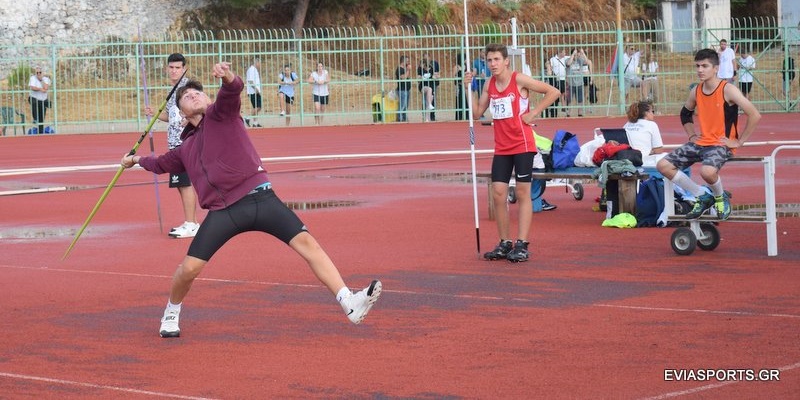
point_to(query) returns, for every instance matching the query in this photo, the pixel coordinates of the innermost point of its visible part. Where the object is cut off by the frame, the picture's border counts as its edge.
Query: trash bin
(381, 103)
(377, 116)
(391, 105)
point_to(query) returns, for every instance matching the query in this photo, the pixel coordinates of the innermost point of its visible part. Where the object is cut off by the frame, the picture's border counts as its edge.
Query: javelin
(119, 171)
(150, 131)
(471, 137)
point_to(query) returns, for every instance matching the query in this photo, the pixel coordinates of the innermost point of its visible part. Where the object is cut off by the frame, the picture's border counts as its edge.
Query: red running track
(597, 313)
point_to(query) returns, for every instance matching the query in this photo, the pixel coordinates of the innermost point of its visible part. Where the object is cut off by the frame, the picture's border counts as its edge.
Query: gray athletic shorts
(683, 157)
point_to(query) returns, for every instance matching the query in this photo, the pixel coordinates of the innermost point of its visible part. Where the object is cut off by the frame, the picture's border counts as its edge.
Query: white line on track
(701, 311)
(411, 292)
(42, 170)
(710, 386)
(96, 386)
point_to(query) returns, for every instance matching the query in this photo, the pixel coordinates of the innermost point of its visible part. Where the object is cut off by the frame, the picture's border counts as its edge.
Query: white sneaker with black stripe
(169, 324)
(187, 230)
(357, 305)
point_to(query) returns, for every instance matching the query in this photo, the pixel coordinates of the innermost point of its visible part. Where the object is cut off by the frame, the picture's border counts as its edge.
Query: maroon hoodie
(218, 155)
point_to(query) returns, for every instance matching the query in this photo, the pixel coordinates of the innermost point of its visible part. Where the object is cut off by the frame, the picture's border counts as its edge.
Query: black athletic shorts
(521, 164)
(320, 99)
(179, 180)
(255, 100)
(261, 211)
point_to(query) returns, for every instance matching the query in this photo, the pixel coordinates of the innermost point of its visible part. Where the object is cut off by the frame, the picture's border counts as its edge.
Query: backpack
(565, 148)
(649, 202)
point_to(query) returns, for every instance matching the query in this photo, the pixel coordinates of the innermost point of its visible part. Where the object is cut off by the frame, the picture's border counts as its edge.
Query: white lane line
(96, 386)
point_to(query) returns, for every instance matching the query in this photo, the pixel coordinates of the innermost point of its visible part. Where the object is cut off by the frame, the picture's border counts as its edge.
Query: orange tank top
(715, 117)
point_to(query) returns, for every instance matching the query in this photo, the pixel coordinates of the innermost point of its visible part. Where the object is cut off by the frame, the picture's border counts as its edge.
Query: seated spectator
(643, 132)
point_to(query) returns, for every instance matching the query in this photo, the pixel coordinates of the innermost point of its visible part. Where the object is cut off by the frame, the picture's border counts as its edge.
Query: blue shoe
(703, 203)
(722, 205)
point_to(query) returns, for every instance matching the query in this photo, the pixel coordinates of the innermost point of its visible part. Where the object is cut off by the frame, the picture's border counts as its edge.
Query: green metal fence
(98, 87)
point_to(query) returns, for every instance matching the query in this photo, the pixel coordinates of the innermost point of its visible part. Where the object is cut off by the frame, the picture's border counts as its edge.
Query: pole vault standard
(120, 169)
(468, 93)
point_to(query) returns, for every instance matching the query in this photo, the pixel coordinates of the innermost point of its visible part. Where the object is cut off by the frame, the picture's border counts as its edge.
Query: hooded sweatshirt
(217, 154)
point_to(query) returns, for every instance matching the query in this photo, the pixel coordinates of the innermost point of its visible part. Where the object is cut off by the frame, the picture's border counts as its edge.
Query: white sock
(175, 307)
(716, 187)
(342, 293)
(687, 184)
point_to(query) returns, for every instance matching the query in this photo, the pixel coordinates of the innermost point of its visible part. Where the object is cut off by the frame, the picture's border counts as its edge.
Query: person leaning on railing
(39, 84)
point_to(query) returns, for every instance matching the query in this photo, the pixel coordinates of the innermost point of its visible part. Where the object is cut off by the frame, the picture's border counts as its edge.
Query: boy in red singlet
(507, 94)
(716, 104)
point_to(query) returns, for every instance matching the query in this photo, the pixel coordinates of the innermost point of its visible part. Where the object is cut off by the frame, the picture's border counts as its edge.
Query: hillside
(360, 14)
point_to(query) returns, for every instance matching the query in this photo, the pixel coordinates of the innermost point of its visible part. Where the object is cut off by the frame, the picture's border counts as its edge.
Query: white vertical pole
(471, 134)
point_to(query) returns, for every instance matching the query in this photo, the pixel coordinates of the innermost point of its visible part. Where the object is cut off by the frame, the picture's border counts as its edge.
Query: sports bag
(649, 202)
(565, 148)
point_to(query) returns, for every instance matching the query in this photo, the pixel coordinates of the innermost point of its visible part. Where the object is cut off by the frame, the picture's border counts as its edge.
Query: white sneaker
(187, 230)
(431, 107)
(181, 226)
(169, 324)
(283, 113)
(358, 304)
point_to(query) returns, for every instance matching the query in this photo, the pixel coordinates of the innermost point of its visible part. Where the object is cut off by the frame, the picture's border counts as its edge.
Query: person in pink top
(232, 184)
(507, 95)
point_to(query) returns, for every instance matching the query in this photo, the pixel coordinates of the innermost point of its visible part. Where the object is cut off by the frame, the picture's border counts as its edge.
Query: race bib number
(501, 108)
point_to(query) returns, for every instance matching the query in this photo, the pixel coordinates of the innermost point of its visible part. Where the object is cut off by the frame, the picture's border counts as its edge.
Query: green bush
(19, 77)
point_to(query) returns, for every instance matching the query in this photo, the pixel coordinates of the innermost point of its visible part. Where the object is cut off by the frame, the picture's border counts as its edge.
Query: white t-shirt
(747, 64)
(253, 80)
(559, 67)
(644, 135)
(35, 82)
(320, 89)
(630, 63)
(726, 64)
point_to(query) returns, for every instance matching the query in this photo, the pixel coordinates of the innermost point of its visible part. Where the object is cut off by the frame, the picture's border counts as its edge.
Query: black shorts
(179, 180)
(262, 211)
(521, 164)
(255, 100)
(287, 98)
(320, 99)
(745, 87)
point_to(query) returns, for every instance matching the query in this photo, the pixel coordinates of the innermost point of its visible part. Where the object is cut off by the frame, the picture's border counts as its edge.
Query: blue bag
(565, 149)
(649, 202)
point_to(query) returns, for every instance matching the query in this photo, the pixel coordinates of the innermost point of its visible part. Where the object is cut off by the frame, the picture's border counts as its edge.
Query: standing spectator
(39, 85)
(650, 81)
(716, 105)
(558, 66)
(481, 71)
(403, 76)
(320, 79)
(727, 61)
(643, 132)
(631, 70)
(509, 94)
(458, 73)
(588, 83)
(176, 66)
(236, 189)
(788, 74)
(253, 77)
(575, 64)
(287, 80)
(426, 87)
(746, 66)
(435, 75)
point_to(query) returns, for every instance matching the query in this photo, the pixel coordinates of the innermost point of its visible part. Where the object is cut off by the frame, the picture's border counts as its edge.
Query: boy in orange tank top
(716, 105)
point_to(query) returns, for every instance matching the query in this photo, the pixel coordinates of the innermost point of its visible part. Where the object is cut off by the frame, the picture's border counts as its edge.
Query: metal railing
(97, 87)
